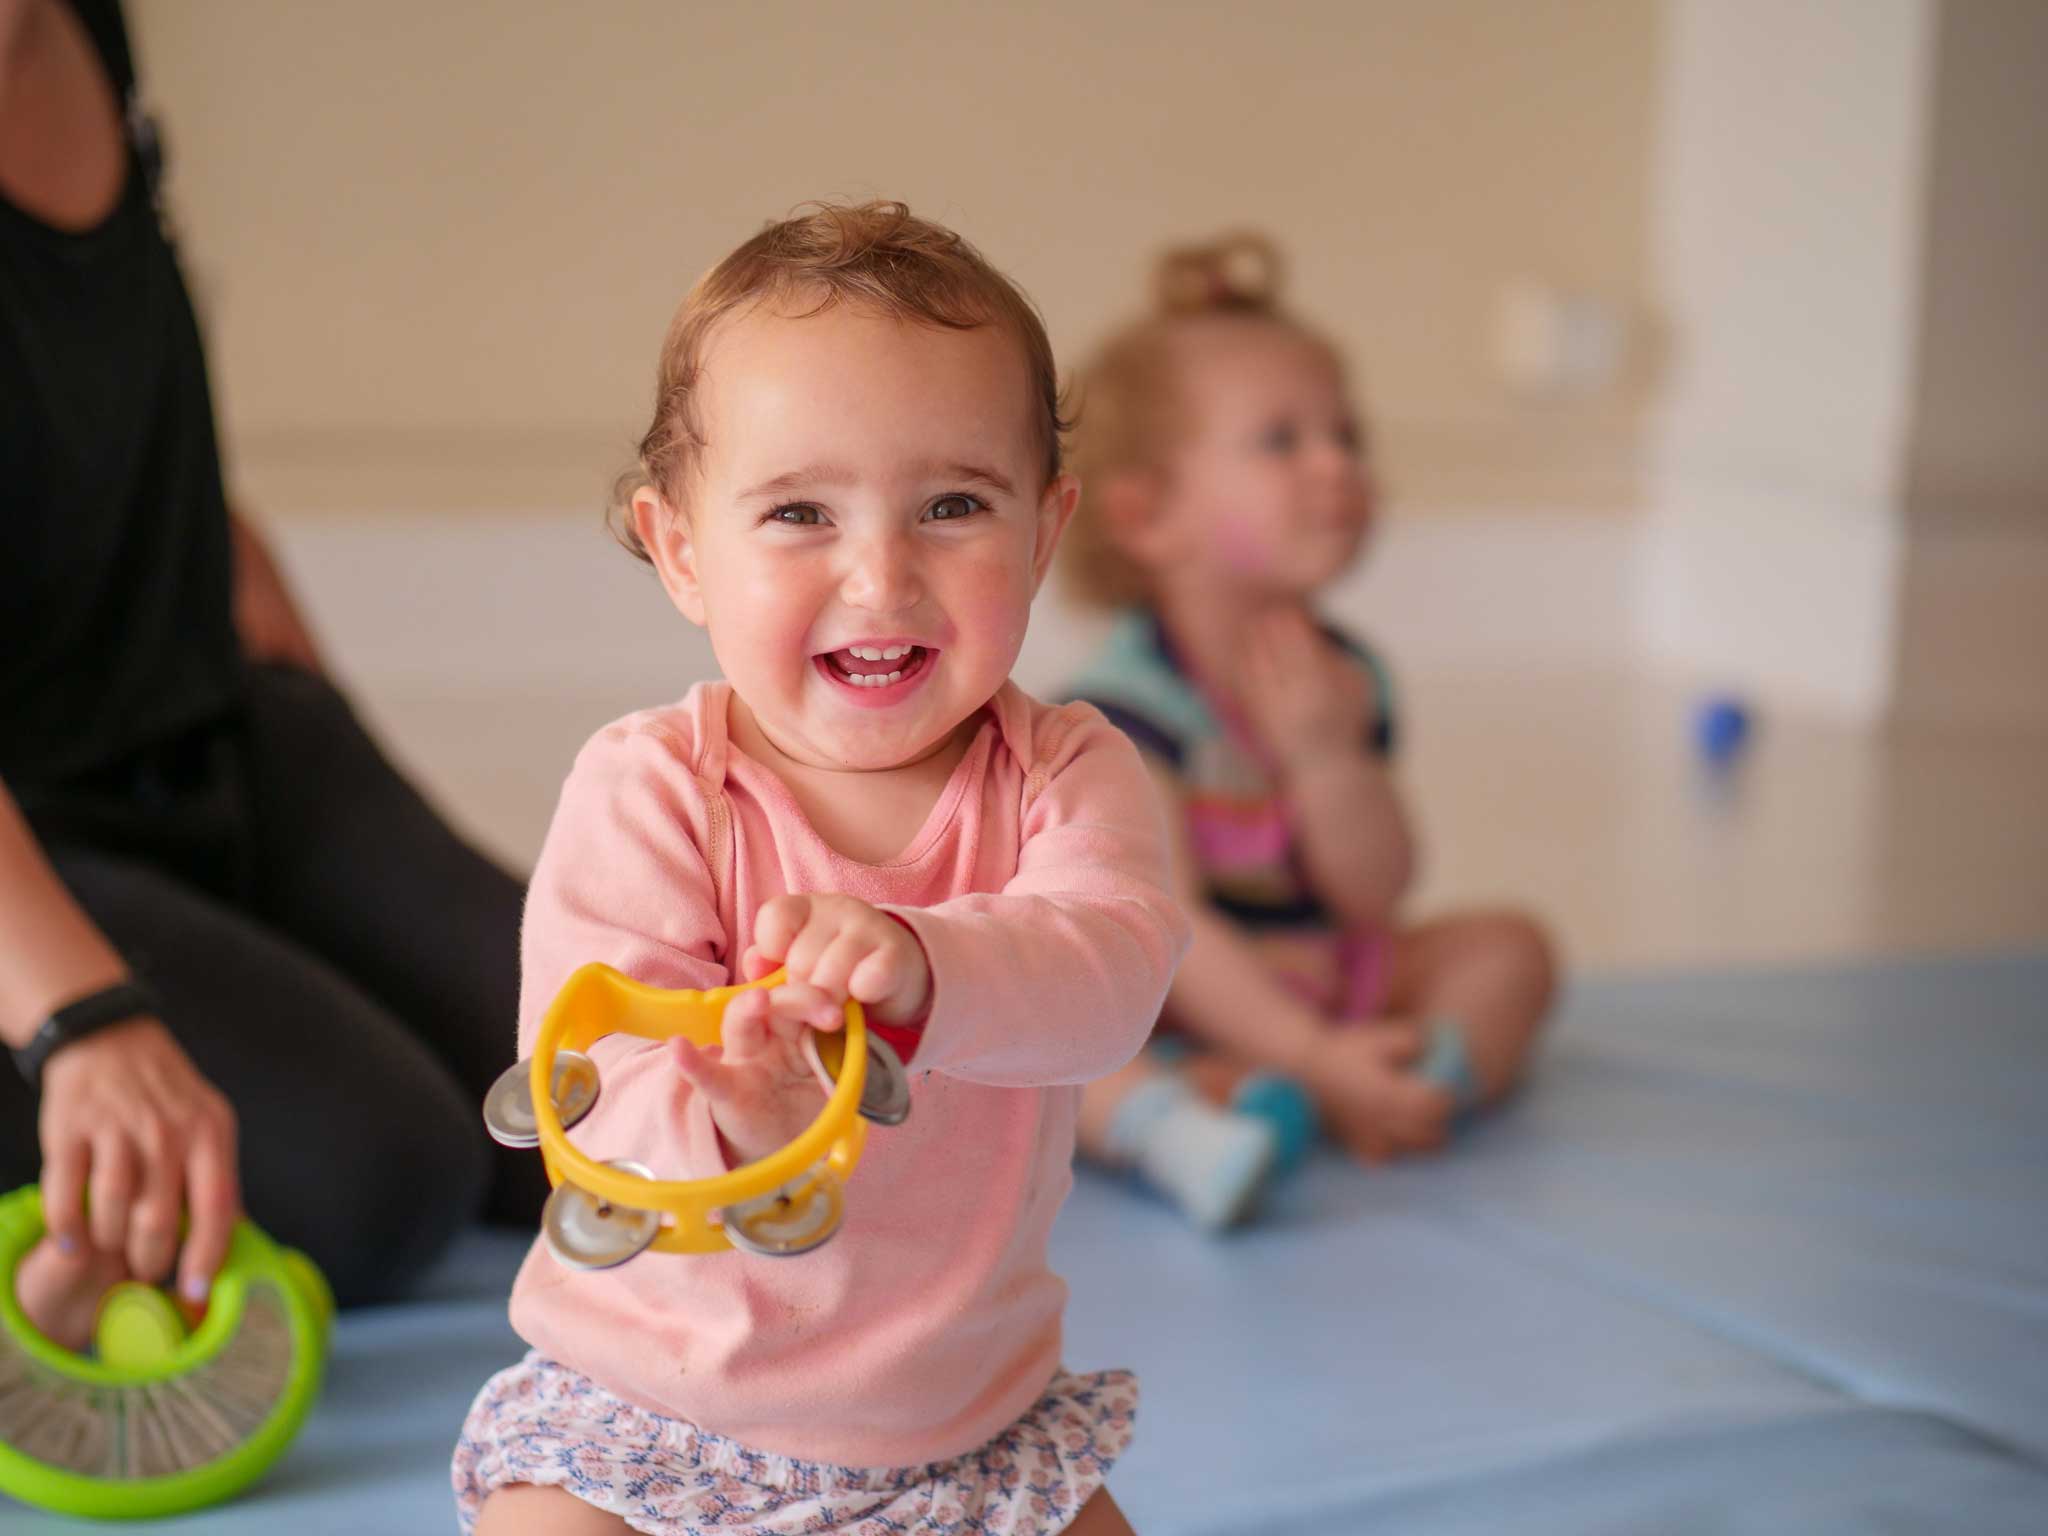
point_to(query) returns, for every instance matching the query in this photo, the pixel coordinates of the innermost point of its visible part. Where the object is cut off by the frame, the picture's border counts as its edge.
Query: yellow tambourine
(602, 1214)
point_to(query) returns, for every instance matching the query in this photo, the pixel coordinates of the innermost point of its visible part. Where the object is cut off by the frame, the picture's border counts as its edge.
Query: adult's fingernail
(196, 1287)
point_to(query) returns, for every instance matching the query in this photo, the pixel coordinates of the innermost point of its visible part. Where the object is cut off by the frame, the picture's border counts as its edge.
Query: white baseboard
(1769, 596)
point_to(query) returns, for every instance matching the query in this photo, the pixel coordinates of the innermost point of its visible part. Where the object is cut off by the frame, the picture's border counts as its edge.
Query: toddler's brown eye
(1280, 438)
(952, 508)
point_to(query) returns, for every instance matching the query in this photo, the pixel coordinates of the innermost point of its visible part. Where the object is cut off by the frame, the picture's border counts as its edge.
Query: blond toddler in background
(1229, 485)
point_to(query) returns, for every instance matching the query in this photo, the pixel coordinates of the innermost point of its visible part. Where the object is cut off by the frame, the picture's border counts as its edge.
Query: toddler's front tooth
(893, 677)
(895, 652)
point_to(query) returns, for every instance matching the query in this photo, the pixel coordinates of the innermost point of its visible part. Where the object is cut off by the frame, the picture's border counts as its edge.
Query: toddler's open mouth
(875, 671)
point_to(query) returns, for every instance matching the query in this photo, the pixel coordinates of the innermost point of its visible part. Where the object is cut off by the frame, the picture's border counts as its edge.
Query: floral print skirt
(542, 1423)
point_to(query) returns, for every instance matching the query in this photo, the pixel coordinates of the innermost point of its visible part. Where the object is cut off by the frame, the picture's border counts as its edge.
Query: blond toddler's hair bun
(1237, 273)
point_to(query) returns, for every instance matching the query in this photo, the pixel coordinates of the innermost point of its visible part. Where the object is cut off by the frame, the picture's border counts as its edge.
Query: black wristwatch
(117, 1004)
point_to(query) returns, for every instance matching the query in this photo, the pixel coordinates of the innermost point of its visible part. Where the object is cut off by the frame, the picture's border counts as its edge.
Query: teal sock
(1285, 1106)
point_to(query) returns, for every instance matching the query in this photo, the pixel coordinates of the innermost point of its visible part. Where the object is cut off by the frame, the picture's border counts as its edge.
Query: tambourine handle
(598, 1000)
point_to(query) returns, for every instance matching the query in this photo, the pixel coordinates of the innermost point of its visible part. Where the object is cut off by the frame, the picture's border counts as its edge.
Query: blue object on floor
(1754, 1254)
(1721, 728)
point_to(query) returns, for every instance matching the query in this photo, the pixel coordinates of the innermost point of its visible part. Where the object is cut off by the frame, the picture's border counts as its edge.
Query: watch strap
(117, 1004)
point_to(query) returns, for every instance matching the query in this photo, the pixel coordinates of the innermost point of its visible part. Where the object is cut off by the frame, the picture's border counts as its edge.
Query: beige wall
(438, 242)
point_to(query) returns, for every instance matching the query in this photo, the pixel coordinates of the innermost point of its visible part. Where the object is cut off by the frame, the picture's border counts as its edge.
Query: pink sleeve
(622, 879)
(1059, 977)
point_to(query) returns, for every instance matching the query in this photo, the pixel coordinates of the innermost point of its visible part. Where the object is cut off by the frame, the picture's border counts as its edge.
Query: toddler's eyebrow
(951, 471)
(971, 474)
(800, 479)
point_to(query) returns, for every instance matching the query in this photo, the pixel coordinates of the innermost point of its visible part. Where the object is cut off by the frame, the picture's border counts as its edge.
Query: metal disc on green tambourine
(159, 1419)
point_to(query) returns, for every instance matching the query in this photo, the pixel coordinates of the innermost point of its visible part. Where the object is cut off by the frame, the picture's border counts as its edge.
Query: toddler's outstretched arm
(1059, 977)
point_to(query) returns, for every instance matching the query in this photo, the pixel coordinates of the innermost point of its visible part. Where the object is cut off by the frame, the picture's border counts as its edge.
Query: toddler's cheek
(1244, 547)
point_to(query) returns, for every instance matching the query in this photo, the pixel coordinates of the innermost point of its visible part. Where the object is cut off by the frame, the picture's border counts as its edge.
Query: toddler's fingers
(797, 1005)
(881, 974)
(1421, 1120)
(834, 967)
(1294, 633)
(754, 965)
(777, 925)
(808, 947)
(1368, 1146)
(743, 1032)
(692, 1061)
(1400, 1041)
(1261, 666)
(1265, 643)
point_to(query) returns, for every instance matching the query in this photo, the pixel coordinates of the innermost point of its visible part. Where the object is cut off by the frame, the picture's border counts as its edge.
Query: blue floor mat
(1756, 1253)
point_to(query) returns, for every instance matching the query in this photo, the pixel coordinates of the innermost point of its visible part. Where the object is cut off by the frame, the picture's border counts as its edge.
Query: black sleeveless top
(116, 628)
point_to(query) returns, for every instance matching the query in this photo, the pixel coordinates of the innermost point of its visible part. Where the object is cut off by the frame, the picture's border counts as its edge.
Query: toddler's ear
(1055, 511)
(665, 535)
(1133, 509)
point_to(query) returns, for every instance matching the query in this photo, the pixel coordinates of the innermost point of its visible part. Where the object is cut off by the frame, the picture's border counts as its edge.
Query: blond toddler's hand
(839, 947)
(1305, 697)
(1364, 1083)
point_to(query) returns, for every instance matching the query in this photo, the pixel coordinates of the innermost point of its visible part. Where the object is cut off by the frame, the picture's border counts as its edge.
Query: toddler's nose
(882, 576)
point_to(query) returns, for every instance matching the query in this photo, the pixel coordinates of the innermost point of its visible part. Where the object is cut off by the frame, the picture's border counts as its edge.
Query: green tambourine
(158, 1420)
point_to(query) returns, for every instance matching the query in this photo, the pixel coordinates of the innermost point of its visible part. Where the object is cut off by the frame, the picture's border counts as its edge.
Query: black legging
(334, 959)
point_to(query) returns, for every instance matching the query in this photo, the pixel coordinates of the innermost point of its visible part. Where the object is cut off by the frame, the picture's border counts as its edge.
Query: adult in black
(276, 976)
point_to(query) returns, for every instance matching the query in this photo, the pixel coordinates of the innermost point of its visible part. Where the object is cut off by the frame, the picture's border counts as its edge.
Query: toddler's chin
(1325, 566)
(881, 751)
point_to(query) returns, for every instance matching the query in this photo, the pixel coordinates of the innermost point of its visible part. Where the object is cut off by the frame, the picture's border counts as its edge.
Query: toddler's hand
(761, 1090)
(1304, 695)
(1364, 1084)
(840, 947)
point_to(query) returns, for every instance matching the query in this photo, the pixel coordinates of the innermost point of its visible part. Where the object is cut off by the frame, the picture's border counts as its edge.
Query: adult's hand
(127, 1118)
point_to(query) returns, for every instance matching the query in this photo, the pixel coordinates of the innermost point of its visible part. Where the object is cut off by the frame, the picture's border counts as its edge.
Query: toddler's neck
(867, 815)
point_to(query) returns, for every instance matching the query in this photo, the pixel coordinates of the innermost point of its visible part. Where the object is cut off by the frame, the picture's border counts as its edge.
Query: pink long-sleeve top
(1038, 888)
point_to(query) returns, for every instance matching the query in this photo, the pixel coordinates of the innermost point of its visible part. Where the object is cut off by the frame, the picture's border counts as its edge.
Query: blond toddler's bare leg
(522, 1509)
(1494, 974)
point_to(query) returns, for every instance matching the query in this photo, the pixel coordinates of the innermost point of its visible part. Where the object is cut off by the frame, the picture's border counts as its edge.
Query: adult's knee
(397, 1196)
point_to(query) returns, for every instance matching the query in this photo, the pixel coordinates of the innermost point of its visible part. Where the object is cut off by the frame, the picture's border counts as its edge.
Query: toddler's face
(1268, 486)
(865, 527)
